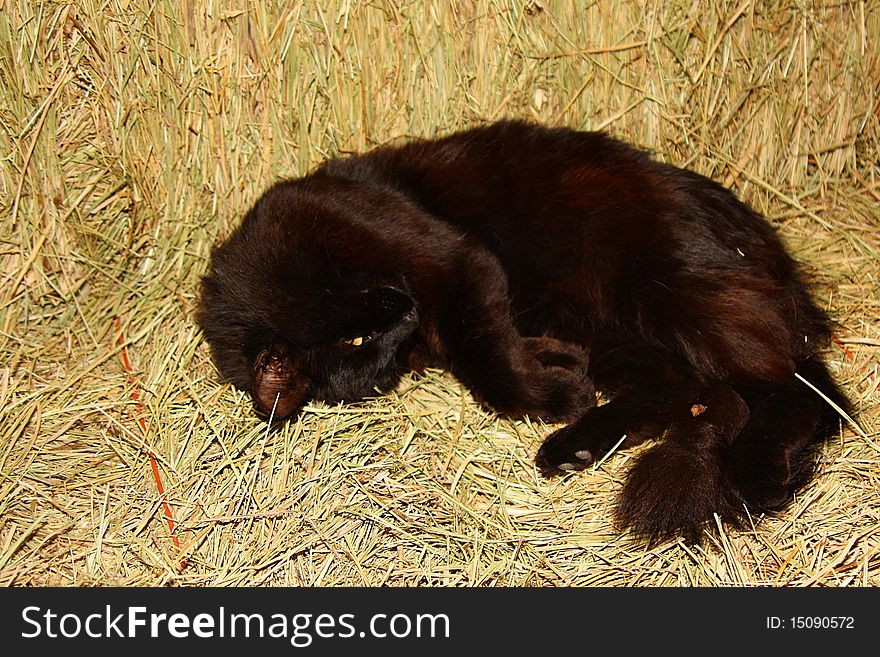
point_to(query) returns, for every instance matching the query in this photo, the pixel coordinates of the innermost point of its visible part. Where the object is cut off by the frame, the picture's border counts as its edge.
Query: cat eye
(358, 341)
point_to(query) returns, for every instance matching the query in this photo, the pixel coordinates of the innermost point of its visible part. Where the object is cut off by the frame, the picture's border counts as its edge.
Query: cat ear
(387, 300)
(278, 389)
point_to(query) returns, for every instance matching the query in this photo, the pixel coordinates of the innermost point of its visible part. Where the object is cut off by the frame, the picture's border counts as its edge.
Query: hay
(134, 134)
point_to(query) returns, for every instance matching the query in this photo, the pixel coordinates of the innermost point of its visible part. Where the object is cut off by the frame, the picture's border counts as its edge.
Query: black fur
(540, 265)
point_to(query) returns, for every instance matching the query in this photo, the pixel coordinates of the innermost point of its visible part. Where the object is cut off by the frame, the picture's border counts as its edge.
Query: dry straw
(134, 134)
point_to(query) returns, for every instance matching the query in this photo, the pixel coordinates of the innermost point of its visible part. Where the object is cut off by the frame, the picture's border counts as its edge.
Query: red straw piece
(169, 517)
(849, 354)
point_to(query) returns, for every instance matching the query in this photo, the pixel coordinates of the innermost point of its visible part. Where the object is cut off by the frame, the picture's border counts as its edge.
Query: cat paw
(563, 452)
(558, 395)
(557, 377)
(553, 353)
(579, 445)
(536, 377)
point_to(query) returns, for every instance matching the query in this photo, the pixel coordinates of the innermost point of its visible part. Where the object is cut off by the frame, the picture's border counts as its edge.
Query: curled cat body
(541, 266)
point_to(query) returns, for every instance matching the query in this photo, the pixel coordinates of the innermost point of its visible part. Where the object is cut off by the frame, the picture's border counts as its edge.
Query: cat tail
(742, 450)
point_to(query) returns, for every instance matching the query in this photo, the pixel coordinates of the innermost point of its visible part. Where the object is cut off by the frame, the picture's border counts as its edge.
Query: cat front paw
(556, 375)
(536, 377)
(551, 353)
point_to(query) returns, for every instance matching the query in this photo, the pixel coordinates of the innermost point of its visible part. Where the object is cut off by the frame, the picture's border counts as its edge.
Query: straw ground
(134, 134)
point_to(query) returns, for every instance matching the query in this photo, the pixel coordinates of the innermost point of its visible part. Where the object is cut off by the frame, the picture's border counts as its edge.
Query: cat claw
(584, 455)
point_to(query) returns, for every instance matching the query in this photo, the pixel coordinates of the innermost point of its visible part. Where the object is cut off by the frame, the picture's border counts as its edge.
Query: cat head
(286, 345)
(289, 323)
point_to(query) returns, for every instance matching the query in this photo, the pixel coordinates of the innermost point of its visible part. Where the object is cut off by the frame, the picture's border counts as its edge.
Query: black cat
(535, 264)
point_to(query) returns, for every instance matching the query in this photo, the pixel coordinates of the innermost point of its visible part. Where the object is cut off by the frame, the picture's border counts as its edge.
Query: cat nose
(278, 389)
